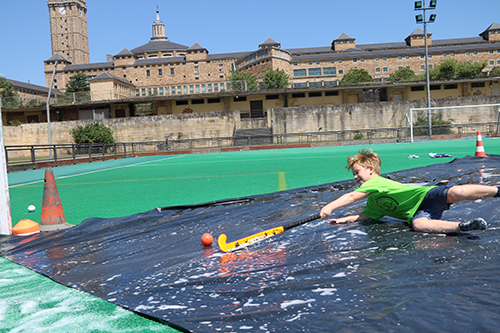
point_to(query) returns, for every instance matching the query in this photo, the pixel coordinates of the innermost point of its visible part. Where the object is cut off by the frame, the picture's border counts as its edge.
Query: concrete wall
(282, 120)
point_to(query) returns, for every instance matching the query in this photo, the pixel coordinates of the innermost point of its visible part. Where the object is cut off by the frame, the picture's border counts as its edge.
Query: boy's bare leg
(470, 192)
(423, 224)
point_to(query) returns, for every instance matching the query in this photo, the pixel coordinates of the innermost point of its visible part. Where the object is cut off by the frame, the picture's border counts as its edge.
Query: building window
(196, 69)
(179, 90)
(314, 71)
(216, 87)
(149, 91)
(330, 71)
(377, 59)
(385, 69)
(295, 64)
(299, 72)
(161, 90)
(185, 89)
(209, 86)
(341, 72)
(167, 91)
(160, 72)
(172, 71)
(333, 61)
(377, 70)
(137, 93)
(143, 92)
(148, 72)
(191, 89)
(354, 60)
(492, 62)
(155, 91)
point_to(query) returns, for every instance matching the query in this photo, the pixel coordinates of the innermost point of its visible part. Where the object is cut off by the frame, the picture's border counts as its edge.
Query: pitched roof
(418, 32)
(106, 76)
(159, 46)
(493, 26)
(95, 65)
(57, 57)
(35, 87)
(196, 46)
(269, 41)
(123, 52)
(344, 36)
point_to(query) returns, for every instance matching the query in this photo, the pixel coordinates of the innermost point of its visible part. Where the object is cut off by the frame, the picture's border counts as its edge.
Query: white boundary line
(100, 170)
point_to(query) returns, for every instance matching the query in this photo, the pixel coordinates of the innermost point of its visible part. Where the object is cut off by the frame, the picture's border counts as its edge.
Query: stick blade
(244, 242)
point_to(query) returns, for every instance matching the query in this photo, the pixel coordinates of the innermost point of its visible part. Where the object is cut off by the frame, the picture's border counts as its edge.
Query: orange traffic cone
(479, 145)
(52, 218)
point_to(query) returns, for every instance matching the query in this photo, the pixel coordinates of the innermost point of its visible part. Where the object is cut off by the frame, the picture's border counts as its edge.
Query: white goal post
(463, 116)
(5, 216)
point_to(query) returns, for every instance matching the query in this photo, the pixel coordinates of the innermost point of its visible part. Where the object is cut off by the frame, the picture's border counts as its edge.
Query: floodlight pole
(428, 81)
(48, 109)
(428, 84)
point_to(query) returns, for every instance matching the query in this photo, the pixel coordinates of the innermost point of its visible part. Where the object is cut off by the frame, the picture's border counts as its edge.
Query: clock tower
(68, 30)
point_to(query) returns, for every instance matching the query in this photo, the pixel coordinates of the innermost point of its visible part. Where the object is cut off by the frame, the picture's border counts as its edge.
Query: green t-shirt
(390, 198)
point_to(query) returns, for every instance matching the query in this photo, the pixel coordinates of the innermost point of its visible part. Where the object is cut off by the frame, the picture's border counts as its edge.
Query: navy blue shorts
(434, 204)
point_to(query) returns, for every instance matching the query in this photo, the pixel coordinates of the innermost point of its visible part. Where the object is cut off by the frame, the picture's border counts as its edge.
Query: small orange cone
(26, 227)
(479, 145)
(52, 218)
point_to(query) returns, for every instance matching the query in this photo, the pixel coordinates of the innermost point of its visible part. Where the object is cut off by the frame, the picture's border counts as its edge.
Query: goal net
(460, 121)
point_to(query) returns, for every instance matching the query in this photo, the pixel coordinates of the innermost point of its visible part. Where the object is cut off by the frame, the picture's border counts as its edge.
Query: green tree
(275, 79)
(92, 133)
(7, 93)
(495, 71)
(402, 74)
(238, 80)
(356, 75)
(453, 69)
(78, 83)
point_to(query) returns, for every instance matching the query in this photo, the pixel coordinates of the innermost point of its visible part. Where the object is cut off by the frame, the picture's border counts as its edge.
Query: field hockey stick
(244, 242)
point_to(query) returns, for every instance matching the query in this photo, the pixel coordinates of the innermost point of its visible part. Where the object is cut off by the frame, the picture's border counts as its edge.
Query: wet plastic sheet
(371, 277)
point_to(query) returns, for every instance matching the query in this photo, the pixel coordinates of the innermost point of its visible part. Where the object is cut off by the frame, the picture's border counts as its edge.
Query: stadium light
(422, 18)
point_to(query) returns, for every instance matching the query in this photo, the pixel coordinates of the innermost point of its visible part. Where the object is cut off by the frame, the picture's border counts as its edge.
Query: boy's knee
(420, 224)
(455, 193)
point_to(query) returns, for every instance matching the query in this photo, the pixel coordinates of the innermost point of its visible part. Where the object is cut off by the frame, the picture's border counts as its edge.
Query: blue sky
(228, 26)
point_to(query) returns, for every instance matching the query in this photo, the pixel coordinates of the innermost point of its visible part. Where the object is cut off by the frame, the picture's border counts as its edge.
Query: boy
(421, 206)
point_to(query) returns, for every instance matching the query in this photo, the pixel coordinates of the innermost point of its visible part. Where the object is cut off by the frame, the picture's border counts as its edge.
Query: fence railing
(18, 155)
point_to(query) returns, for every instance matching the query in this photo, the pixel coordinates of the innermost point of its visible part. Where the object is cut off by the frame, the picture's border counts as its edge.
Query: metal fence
(20, 155)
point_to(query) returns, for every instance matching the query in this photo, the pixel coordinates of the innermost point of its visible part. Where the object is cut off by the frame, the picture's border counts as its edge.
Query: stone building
(162, 67)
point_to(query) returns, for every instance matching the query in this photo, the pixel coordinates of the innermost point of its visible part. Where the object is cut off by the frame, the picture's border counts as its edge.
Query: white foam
(324, 291)
(296, 302)
(171, 307)
(357, 232)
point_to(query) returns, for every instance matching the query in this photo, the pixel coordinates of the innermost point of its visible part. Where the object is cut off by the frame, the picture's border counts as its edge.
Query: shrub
(92, 133)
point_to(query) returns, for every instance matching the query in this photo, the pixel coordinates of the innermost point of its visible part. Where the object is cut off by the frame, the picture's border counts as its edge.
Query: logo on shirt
(387, 203)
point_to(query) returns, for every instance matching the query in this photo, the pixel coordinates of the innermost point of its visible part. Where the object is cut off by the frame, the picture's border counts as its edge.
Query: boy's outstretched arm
(345, 200)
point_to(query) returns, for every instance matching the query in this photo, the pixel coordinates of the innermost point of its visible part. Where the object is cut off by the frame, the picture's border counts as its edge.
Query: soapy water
(376, 276)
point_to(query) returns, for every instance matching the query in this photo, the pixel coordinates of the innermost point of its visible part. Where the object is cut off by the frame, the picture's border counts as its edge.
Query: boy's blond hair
(365, 157)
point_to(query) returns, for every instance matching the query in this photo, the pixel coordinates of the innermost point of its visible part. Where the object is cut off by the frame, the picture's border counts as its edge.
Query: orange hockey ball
(207, 239)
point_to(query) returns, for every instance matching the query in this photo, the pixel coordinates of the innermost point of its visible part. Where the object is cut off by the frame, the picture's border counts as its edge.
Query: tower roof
(159, 46)
(344, 36)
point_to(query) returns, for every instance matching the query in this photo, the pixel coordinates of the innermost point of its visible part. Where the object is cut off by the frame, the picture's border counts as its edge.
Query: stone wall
(282, 121)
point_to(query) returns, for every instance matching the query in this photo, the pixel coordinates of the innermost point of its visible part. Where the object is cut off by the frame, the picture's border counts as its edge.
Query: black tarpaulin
(376, 277)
